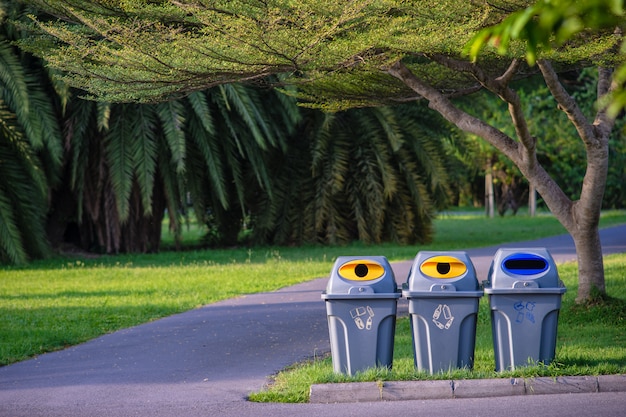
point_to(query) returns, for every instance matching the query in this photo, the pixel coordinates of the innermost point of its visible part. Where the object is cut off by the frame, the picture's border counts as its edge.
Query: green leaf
(145, 153)
(119, 156)
(172, 122)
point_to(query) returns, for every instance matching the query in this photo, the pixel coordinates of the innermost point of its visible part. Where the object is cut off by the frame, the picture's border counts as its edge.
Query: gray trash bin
(361, 303)
(443, 295)
(525, 294)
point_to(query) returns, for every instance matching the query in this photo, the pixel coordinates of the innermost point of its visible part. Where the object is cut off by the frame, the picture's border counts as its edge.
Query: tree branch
(558, 202)
(500, 87)
(606, 86)
(464, 121)
(567, 103)
(510, 72)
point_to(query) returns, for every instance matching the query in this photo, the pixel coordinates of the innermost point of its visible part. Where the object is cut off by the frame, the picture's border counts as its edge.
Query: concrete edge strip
(470, 388)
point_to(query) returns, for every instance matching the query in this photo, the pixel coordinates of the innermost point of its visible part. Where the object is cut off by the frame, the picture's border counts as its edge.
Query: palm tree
(128, 163)
(369, 174)
(30, 146)
(246, 126)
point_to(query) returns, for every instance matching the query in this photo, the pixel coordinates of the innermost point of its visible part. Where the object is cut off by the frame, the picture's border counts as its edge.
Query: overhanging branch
(464, 121)
(567, 103)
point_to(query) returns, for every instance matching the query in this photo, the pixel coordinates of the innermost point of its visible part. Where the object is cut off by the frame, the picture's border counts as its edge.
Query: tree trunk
(489, 196)
(62, 212)
(580, 218)
(532, 200)
(590, 265)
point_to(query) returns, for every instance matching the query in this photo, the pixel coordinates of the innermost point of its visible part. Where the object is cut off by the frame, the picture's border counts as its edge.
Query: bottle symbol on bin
(447, 316)
(525, 311)
(362, 317)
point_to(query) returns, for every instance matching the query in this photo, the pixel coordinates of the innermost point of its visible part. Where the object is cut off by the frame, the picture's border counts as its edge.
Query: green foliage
(563, 158)
(221, 150)
(21, 200)
(269, 38)
(373, 175)
(545, 25)
(114, 49)
(30, 148)
(223, 146)
(550, 26)
(131, 161)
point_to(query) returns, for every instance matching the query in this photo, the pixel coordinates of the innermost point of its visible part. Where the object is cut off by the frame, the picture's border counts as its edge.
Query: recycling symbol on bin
(525, 311)
(448, 318)
(360, 314)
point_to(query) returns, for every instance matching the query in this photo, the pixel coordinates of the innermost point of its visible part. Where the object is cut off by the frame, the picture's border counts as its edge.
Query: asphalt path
(206, 361)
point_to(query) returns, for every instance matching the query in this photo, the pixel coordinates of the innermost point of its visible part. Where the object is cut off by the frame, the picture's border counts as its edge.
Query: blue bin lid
(525, 264)
(523, 269)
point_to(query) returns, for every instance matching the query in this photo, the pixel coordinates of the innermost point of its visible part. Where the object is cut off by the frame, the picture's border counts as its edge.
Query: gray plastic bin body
(525, 294)
(443, 295)
(361, 303)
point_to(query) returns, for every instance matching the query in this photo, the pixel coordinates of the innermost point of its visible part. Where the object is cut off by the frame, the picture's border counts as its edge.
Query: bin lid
(361, 276)
(441, 271)
(523, 269)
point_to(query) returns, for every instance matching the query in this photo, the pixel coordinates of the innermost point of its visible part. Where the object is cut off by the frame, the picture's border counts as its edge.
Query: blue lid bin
(361, 303)
(443, 294)
(525, 295)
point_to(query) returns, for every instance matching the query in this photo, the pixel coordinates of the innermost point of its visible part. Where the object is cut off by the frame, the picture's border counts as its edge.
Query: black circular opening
(361, 270)
(443, 267)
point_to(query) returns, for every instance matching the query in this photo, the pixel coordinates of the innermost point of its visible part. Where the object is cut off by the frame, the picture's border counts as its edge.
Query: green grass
(591, 341)
(47, 308)
(59, 302)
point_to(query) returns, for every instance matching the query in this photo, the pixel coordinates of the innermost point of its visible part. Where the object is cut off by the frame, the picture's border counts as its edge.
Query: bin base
(524, 329)
(361, 333)
(444, 332)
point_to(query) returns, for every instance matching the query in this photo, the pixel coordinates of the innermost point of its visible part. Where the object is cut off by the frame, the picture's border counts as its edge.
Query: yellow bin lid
(443, 267)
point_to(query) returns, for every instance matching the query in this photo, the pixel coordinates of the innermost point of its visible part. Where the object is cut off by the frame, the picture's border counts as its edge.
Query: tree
(122, 164)
(355, 53)
(126, 163)
(30, 147)
(372, 174)
(546, 26)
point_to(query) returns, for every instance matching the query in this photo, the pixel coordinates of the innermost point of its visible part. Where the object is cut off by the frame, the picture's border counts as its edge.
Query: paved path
(206, 361)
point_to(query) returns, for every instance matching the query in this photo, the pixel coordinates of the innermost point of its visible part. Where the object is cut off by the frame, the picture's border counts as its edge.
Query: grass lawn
(59, 302)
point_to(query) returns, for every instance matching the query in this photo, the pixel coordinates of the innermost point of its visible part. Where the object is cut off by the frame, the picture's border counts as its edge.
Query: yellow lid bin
(361, 303)
(443, 294)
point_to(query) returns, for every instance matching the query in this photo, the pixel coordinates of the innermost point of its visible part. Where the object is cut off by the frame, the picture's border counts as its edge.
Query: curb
(352, 392)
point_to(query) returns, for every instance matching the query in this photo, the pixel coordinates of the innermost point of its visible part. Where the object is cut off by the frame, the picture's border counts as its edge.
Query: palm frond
(11, 247)
(204, 160)
(172, 122)
(22, 192)
(119, 155)
(144, 153)
(201, 109)
(43, 122)
(242, 100)
(14, 91)
(173, 185)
